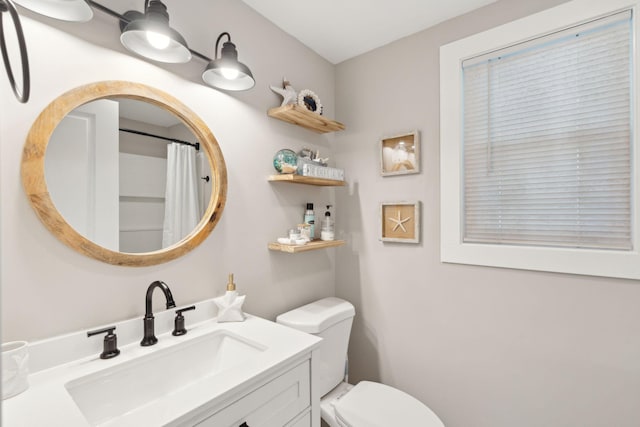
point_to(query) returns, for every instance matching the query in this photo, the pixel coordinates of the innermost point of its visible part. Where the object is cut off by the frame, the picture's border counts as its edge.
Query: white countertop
(47, 403)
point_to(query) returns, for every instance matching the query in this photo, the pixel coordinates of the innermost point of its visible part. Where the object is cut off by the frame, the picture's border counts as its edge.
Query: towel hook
(21, 95)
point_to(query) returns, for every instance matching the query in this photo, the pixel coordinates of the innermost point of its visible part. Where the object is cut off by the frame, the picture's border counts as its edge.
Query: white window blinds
(547, 140)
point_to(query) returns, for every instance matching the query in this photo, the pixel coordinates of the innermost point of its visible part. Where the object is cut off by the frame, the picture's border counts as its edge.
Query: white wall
(49, 289)
(483, 347)
(143, 179)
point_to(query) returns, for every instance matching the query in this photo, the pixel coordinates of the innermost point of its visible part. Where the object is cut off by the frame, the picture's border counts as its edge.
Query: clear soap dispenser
(327, 231)
(230, 304)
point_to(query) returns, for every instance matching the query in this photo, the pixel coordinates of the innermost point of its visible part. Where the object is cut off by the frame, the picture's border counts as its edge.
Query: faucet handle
(110, 343)
(179, 328)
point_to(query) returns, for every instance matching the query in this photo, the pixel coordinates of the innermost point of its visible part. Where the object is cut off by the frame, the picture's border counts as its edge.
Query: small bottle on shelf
(310, 218)
(327, 232)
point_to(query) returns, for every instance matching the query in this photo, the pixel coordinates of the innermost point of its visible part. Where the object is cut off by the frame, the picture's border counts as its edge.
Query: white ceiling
(341, 29)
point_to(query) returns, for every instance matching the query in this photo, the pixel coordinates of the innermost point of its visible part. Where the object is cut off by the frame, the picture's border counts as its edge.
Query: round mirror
(124, 173)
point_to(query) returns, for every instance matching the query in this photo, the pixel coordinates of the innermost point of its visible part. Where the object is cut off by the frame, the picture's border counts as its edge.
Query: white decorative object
(230, 304)
(399, 221)
(317, 171)
(230, 307)
(310, 101)
(288, 93)
(15, 368)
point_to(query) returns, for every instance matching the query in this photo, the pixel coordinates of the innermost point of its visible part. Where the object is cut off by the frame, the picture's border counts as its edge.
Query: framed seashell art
(400, 154)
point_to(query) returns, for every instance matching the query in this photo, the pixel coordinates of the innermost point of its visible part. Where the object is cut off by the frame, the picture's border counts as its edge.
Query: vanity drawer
(303, 421)
(272, 405)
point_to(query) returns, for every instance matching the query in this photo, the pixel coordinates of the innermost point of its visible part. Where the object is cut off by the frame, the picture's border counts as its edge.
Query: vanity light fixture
(65, 10)
(226, 72)
(148, 34)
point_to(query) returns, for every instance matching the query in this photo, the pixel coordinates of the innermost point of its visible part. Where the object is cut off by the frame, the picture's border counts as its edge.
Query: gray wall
(483, 347)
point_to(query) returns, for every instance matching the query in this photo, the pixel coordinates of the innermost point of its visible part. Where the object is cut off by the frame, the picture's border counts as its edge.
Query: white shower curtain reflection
(182, 211)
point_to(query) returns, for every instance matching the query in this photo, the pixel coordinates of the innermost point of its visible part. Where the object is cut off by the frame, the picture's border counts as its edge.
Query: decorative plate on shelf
(285, 161)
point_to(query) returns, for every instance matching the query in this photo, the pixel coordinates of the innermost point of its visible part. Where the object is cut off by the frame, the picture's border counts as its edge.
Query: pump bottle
(327, 232)
(230, 304)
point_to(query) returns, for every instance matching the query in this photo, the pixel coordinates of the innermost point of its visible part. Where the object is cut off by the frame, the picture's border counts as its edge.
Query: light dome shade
(65, 10)
(214, 75)
(226, 72)
(134, 37)
(158, 40)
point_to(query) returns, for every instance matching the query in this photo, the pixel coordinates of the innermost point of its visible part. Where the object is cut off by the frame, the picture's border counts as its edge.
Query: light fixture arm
(156, 8)
(21, 95)
(215, 54)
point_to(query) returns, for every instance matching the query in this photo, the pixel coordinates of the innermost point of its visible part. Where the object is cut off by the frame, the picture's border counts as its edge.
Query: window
(538, 148)
(547, 138)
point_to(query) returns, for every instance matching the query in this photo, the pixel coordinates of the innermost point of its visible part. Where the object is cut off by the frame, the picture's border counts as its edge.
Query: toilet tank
(330, 319)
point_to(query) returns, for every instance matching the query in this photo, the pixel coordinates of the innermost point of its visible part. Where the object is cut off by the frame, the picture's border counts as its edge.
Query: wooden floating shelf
(309, 180)
(300, 116)
(310, 246)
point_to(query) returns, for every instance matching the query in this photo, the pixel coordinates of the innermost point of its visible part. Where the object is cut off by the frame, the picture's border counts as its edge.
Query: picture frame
(400, 154)
(400, 222)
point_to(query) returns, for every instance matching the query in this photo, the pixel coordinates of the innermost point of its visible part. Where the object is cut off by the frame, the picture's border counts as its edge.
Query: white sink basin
(123, 389)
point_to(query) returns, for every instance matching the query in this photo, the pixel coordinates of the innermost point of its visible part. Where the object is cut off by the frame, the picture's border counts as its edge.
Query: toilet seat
(370, 404)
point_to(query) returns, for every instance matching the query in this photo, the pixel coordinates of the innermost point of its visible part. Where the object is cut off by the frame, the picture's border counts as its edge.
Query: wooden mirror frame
(34, 182)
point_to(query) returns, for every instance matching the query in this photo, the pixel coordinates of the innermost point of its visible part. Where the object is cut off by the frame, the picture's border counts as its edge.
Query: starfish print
(399, 221)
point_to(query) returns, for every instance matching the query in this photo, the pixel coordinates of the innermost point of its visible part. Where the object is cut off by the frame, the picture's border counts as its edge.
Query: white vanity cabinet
(283, 401)
(254, 373)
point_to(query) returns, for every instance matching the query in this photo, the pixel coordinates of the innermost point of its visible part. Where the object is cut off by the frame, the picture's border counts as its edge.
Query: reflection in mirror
(97, 168)
(127, 175)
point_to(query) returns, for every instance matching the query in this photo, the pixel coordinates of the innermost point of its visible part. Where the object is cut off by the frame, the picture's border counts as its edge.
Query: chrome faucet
(149, 333)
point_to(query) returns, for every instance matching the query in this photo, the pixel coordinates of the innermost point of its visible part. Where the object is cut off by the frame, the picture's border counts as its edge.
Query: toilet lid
(377, 405)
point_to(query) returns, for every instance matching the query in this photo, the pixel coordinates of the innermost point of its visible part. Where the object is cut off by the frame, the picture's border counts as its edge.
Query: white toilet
(367, 404)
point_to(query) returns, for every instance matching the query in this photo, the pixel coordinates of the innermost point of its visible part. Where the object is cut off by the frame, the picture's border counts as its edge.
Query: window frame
(595, 262)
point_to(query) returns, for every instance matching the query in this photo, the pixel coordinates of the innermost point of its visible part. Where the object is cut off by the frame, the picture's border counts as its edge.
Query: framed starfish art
(400, 222)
